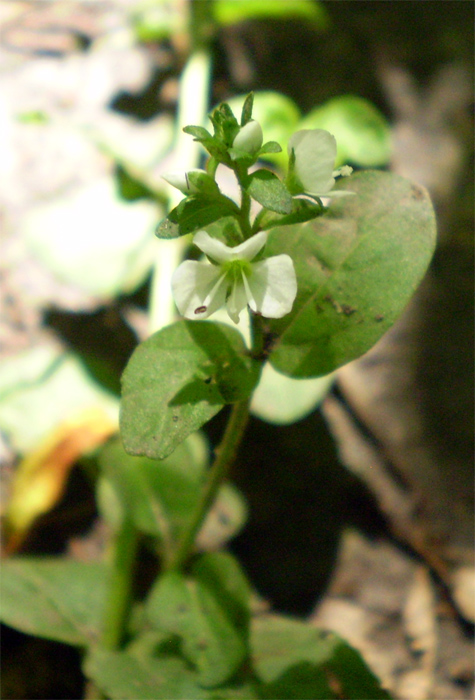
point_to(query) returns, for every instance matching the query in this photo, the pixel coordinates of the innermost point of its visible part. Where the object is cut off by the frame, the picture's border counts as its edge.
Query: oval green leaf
(357, 267)
(177, 380)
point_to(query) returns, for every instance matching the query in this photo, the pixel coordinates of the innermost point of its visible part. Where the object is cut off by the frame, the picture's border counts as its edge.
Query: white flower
(313, 170)
(269, 286)
(249, 137)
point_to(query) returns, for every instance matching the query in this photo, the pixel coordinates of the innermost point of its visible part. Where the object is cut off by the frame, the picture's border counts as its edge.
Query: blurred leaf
(35, 116)
(231, 12)
(357, 267)
(177, 380)
(156, 21)
(130, 188)
(154, 673)
(209, 610)
(39, 480)
(160, 495)
(363, 135)
(224, 520)
(94, 240)
(53, 598)
(40, 388)
(281, 400)
(142, 677)
(296, 661)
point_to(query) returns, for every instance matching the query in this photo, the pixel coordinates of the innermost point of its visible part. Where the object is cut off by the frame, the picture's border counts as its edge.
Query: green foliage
(199, 636)
(268, 190)
(357, 267)
(160, 496)
(177, 380)
(195, 212)
(209, 610)
(53, 598)
(295, 660)
(231, 12)
(362, 133)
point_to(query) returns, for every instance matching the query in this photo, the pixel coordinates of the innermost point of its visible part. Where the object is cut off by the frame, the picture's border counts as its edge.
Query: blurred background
(361, 494)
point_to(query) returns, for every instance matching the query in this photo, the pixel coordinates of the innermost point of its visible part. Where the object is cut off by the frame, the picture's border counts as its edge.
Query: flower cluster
(232, 276)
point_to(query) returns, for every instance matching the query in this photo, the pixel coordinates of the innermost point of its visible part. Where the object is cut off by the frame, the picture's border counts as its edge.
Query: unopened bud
(249, 138)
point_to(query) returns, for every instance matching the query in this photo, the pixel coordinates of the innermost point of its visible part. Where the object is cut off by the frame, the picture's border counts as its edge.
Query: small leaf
(209, 610)
(266, 188)
(177, 380)
(193, 213)
(53, 598)
(199, 132)
(270, 147)
(302, 211)
(357, 267)
(246, 114)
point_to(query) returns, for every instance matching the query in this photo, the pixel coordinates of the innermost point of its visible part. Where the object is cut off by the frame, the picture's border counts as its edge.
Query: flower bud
(182, 182)
(249, 137)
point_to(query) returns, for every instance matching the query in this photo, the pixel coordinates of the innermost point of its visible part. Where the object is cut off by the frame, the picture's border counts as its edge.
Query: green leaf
(222, 574)
(199, 132)
(231, 12)
(124, 674)
(270, 147)
(302, 211)
(177, 380)
(357, 267)
(93, 240)
(246, 114)
(153, 671)
(266, 188)
(209, 611)
(195, 212)
(363, 135)
(54, 598)
(40, 388)
(296, 661)
(281, 400)
(159, 496)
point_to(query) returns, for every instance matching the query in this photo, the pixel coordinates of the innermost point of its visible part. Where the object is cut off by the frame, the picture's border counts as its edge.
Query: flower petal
(273, 285)
(315, 154)
(236, 301)
(250, 248)
(198, 289)
(216, 250)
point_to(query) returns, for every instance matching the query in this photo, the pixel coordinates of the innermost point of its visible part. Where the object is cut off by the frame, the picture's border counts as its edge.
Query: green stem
(225, 455)
(119, 591)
